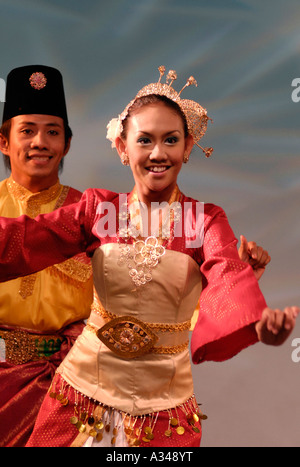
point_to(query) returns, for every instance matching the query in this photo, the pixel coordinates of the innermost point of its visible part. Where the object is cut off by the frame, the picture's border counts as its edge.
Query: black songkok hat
(35, 89)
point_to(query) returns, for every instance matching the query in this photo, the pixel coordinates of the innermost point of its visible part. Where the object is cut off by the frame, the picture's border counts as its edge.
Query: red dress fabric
(23, 389)
(53, 428)
(230, 303)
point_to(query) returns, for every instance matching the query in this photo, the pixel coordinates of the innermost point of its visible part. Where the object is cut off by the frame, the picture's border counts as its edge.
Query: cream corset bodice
(158, 379)
(169, 297)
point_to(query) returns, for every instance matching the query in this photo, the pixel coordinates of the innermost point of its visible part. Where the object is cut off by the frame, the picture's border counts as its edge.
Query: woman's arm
(29, 245)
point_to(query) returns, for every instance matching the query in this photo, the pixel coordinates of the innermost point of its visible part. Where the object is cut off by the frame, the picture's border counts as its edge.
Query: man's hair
(5, 131)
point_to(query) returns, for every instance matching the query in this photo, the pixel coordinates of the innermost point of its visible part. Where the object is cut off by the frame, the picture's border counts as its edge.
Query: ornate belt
(129, 338)
(22, 346)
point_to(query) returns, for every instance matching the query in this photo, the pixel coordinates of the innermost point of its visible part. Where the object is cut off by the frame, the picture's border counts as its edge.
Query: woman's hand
(276, 325)
(255, 255)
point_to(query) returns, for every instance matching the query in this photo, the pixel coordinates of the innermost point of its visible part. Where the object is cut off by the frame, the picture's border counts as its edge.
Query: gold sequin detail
(170, 349)
(93, 418)
(33, 201)
(76, 272)
(27, 286)
(22, 346)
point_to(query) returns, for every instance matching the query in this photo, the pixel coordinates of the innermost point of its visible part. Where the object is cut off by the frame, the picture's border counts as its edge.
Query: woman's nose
(158, 153)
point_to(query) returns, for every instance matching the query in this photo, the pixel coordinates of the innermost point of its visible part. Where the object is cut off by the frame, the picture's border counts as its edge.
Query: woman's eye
(144, 140)
(172, 140)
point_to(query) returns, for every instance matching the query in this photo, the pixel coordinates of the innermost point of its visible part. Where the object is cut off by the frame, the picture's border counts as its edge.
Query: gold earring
(125, 160)
(186, 158)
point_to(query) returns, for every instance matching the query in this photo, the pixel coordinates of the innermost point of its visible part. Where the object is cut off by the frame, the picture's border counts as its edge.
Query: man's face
(36, 147)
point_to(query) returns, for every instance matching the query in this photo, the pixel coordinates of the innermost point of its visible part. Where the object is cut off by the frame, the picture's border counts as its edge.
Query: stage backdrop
(245, 57)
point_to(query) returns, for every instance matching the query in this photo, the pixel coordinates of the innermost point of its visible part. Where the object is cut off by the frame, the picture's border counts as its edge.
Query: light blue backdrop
(244, 55)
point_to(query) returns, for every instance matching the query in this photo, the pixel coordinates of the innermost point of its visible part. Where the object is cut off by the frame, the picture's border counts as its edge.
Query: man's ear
(4, 145)
(67, 148)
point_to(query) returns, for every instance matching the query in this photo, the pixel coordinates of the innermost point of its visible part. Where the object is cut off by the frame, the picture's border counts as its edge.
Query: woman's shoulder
(210, 210)
(100, 194)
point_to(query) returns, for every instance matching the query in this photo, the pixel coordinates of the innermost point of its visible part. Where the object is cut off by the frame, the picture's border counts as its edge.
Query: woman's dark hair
(5, 131)
(154, 99)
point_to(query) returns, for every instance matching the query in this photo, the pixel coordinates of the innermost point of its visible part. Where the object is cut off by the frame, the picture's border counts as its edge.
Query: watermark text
(2, 90)
(163, 220)
(296, 352)
(296, 92)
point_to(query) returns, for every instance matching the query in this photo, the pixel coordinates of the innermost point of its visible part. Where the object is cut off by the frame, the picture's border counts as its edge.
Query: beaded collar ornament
(195, 114)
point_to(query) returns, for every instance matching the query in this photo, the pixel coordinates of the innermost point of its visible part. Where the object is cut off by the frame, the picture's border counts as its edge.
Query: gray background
(244, 55)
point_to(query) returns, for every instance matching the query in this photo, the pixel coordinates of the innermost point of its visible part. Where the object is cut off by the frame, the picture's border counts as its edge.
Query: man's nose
(39, 140)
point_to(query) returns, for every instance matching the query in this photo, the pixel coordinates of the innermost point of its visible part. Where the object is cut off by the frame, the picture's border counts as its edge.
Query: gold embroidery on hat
(38, 80)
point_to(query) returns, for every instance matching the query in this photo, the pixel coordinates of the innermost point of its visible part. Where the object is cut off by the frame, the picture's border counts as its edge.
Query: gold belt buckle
(19, 348)
(127, 337)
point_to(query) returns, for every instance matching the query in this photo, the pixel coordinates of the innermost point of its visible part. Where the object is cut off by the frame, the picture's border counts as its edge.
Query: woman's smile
(158, 169)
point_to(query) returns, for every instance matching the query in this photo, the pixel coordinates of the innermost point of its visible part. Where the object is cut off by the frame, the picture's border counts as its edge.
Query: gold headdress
(196, 116)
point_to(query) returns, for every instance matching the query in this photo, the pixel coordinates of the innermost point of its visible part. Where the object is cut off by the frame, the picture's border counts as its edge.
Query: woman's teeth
(157, 169)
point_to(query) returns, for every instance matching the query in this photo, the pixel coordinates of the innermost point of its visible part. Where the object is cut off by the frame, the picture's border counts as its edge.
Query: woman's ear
(189, 143)
(121, 148)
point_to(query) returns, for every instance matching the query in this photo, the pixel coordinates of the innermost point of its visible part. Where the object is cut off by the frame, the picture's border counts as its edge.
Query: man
(40, 315)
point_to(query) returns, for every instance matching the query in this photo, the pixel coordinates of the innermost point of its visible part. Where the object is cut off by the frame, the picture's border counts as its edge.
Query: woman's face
(155, 145)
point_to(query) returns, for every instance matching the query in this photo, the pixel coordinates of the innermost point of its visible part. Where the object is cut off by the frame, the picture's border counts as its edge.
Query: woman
(127, 380)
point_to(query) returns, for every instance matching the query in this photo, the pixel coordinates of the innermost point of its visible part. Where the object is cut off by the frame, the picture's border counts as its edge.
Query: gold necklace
(144, 255)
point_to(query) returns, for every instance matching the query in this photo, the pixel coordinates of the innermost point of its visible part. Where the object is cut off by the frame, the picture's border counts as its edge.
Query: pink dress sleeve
(29, 245)
(231, 300)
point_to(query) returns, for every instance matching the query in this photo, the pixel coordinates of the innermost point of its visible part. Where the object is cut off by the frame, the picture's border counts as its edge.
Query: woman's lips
(158, 168)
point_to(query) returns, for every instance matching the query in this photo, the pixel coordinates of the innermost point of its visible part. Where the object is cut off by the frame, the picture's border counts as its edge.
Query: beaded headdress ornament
(196, 116)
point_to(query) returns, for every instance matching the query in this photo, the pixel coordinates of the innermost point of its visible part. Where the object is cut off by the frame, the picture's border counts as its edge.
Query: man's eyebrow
(50, 124)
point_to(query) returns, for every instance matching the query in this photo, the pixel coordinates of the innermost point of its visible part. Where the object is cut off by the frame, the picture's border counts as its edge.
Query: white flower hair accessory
(114, 129)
